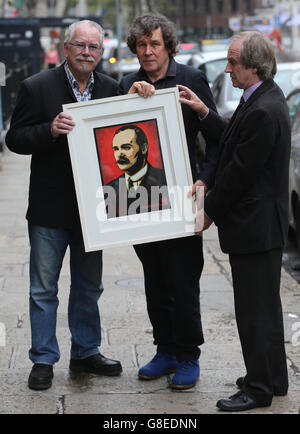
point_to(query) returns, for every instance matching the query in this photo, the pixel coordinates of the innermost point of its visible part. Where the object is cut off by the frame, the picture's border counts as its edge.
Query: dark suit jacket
(52, 197)
(154, 177)
(249, 202)
(195, 80)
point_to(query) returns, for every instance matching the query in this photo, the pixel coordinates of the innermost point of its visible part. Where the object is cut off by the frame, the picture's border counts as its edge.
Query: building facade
(211, 19)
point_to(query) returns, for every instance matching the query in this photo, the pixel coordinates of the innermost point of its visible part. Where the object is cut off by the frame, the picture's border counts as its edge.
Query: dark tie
(241, 103)
(237, 110)
(130, 184)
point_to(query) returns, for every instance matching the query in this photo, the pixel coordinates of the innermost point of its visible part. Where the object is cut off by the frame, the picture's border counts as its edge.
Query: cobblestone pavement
(127, 332)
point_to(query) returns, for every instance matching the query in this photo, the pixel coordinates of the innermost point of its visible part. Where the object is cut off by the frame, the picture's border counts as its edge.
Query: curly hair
(145, 24)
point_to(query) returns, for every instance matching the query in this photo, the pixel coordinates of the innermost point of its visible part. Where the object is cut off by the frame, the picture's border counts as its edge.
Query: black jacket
(196, 81)
(52, 197)
(249, 202)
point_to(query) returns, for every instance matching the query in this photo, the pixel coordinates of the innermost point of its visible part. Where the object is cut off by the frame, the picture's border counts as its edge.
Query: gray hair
(71, 29)
(257, 52)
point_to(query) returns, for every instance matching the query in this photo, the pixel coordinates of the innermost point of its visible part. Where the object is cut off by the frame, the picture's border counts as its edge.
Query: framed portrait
(131, 169)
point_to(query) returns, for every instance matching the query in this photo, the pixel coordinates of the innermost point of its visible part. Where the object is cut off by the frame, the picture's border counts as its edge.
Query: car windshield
(287, 79)
(213, 68)
(293, 103)
(125, 53)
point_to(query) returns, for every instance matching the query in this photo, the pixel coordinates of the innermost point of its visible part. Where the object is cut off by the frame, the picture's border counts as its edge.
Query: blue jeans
(48, 248)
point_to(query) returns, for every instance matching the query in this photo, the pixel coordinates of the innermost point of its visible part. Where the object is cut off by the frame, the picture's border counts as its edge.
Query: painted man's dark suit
(249, 204)
(172, 268)
(123, 205)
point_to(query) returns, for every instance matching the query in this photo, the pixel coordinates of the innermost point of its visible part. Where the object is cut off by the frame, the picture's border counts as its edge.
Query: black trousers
(256, 285)
(172, 270)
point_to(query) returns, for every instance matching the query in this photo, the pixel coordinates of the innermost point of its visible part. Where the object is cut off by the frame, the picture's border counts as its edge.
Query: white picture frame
(101, 115)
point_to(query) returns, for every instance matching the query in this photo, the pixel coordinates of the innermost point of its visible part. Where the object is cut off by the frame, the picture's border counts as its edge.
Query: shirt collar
(171, 71)
(74, 82)
(248, 92)
(137, 176)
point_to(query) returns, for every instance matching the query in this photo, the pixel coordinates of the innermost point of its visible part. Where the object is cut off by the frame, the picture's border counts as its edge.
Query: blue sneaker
(186, 375)
(161, 364)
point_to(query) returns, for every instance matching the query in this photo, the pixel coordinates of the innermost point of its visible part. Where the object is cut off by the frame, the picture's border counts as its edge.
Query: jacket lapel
(235, 120)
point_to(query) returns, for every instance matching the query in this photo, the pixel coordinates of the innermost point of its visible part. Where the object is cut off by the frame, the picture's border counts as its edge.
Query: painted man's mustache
(122, 161)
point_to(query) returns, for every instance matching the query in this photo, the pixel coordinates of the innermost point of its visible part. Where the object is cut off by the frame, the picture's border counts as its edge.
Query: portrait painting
(132, 168)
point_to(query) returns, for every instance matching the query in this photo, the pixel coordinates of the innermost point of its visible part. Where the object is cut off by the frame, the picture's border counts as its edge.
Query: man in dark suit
(249, 204)
(135, 189)
(172, 268)
(38, 128)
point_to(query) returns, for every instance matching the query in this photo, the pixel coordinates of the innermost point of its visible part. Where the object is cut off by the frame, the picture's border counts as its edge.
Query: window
(220, 6)
(207, 6)
(247, 5)
(217, 88)
(296, 123)
(183, 2)
(293, 103)
(233, 5)
(213, 68)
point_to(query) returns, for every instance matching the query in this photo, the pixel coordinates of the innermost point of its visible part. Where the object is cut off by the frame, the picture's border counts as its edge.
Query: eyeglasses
(80, 46)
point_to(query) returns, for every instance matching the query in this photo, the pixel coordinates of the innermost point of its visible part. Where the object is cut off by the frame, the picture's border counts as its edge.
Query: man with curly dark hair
(172, 268)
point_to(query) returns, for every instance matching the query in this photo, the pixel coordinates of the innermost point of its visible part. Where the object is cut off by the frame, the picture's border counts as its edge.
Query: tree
(132, 8)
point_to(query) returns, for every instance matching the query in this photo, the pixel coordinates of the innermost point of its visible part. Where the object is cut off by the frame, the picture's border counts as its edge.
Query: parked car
(185, 52)
(109, 45)
(125, 64)
(293, 101)
(227, 97)
(212, 64)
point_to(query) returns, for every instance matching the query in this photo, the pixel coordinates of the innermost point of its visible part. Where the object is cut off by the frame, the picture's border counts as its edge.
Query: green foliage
(93, 6)
(134, 8)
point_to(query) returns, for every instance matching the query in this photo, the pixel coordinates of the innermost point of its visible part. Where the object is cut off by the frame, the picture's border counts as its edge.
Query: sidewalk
(127, 334)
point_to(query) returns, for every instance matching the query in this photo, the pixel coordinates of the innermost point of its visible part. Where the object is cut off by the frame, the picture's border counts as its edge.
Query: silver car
(185, 51)
(212, 64)
(227, 97)
(127, 63)
(293, 101)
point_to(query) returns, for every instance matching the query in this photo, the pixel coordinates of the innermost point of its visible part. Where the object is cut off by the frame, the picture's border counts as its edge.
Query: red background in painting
(104, 137)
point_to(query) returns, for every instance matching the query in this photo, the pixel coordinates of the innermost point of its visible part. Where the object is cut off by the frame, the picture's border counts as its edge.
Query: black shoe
(96, 364)
(40, 377)
(277, 392)
(239, 402)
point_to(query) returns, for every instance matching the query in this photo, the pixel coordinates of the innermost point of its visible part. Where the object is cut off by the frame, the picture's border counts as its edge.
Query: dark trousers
(172, 270)
(256, 285)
